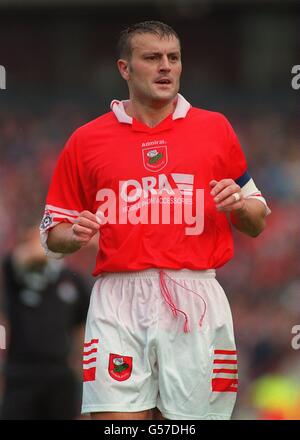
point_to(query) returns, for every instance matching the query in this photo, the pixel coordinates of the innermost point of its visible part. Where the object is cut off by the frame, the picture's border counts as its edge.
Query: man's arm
(251, 218)
(66, 238)
(247, 215)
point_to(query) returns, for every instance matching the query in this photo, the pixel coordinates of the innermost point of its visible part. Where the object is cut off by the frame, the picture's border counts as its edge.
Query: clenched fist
(227, 195)
(85, 227)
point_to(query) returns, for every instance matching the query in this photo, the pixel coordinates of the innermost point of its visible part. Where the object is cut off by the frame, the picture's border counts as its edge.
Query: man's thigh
(198, 368)
(119, 361)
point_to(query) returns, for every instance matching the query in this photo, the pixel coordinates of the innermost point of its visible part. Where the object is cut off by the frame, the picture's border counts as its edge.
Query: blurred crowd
(262, 281)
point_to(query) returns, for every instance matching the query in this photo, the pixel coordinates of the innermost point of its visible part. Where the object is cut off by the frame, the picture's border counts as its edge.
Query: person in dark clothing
(45, 305)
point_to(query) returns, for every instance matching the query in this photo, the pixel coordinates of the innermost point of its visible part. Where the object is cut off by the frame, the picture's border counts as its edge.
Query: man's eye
(152, 57)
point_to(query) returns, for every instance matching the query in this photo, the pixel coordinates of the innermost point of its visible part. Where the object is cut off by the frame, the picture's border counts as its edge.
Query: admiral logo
(155, 155)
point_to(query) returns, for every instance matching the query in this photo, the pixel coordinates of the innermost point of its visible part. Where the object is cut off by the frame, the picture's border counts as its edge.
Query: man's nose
(164, 64)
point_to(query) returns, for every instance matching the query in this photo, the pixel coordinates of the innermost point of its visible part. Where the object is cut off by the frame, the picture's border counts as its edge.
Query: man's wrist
(61, 239)
(249, 219)
(242, 212)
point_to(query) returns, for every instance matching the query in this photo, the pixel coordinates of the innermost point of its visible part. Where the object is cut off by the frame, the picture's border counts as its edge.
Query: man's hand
(227, 195)
(85, 227)
(247, 215)
(66, 238)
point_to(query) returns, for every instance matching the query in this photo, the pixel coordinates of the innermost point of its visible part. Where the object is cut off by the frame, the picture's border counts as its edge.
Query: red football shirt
(140, 178)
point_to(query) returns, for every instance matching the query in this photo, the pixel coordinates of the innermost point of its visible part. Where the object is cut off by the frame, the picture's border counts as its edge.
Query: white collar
(182, 107)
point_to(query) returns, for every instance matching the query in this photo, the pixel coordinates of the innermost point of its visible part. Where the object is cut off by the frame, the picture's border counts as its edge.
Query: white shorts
(160, 339)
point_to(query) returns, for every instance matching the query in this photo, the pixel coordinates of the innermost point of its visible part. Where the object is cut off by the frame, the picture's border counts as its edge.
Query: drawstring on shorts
(168, 298)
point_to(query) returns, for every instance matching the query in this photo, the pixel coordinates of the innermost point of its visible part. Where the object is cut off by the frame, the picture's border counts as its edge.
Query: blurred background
(237, 59)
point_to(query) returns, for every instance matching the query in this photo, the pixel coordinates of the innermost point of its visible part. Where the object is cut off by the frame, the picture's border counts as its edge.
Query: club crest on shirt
(155, 158)
(120, 367)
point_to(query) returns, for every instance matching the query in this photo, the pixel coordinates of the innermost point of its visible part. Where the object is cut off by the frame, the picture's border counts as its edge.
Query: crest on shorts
(120, 367)
(155, 158)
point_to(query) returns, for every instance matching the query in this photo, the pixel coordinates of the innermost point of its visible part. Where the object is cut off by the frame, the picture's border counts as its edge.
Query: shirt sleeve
(236, 160)
(238, 169)
(66, 198)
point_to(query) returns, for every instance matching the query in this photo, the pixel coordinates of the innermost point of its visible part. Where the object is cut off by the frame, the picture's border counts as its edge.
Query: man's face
(154, 68)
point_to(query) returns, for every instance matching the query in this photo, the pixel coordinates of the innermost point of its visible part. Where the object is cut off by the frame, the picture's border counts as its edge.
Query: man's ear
(123, 66)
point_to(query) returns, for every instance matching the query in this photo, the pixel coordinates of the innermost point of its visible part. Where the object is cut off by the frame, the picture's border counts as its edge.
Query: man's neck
(148, 114)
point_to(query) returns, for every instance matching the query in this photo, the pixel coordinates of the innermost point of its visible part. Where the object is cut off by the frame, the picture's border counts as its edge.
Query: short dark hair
(146, 27)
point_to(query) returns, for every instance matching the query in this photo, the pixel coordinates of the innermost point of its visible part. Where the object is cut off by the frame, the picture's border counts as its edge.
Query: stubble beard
(157, 98)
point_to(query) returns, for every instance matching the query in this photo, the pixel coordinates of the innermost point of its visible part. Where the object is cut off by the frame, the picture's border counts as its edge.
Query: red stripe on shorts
(224, 370)
(89, 361)
(225, 351)
(93, 350)
(224, 385)
(224, 361)
(89, 374)
(92, 341)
